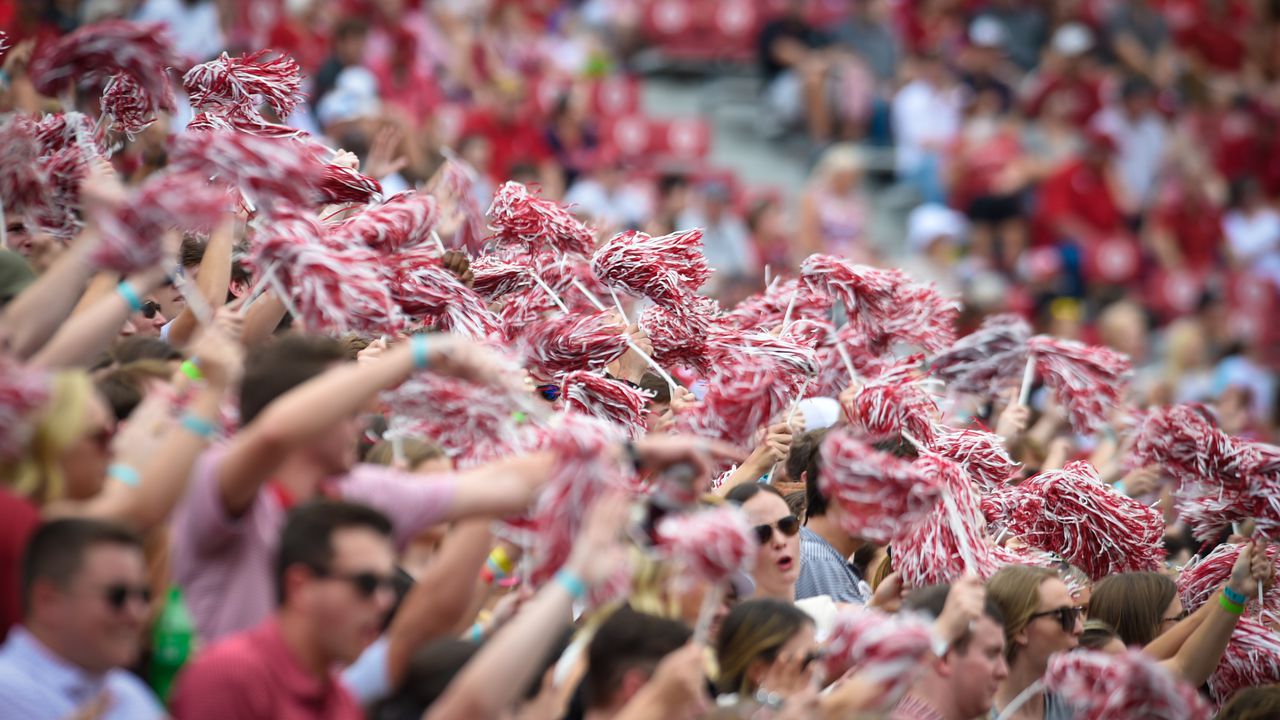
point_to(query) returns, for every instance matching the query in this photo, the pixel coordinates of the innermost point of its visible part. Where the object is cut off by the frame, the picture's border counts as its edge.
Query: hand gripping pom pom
(606, 399)
(881, 496)
(668, 269)
(518, 216)
(1203, 577)
(425, 290)
(1100, 686)
(710, 544)
(887, 651)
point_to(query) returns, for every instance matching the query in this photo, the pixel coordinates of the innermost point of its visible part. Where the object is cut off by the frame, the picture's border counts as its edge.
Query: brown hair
(1016, 591)
(1133, 604)
(1096, 635)
(754, 630)
(1255, 703)
(281, 365)
(126, 386)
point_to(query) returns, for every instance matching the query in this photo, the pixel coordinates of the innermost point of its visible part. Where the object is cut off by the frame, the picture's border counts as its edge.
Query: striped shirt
(36, 684)
(225, 565)
(824, 571)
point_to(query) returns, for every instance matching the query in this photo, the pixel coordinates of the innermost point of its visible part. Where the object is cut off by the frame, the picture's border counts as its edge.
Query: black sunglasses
(365, 583)
(788, 526)
(1066, 616)
(149, 309)
(118, 595)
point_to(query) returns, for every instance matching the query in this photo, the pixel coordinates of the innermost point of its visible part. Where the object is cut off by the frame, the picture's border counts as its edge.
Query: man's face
(347, 617)
(100, 615)
(978, 671)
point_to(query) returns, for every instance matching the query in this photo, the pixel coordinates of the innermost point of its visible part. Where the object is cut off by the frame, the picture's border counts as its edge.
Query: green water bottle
(173, 643)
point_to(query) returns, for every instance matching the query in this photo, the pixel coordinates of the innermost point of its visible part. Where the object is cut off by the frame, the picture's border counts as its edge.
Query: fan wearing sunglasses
(778, 532)
(334, 586)
(146, 322)
(1041, 620)
(84, 590)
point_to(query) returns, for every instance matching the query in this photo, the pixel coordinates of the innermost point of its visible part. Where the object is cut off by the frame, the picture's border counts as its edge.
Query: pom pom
(245, 82)
(766, 310)
(1203, 577)
(264, 170)
(21, 180)
(886, 651)
(948, 543)
(895, 403)
(833, 373)
(867, 293)
(518, 216)
(95, 52)
(1252, 659)
(132, 237)
(458, 179)
(986, 361)
(64, 170)
(128, 108)
(666, 269)
(458, 416)
(497, 276)
(744, 393)
(403, 221)
(919, 317)
(572, 342)
(681, 338)
(794, 362)
(881, 496)
(1100, 686)
(426, 290)
(340, 184)
(980, 453)
(710, 544)
(248, 122)
(607, 399)
(1089, 381)
(1072, 513)
(23, 391)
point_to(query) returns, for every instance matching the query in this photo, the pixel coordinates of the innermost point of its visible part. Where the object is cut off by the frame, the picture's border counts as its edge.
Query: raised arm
(212, 282)
(34, 315)
(88, 333)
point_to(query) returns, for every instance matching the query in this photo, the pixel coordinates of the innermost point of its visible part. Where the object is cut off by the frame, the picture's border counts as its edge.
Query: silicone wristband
(1231, 607)
(1234, 596)
(191, 370)
(199, 427)
(418, 349)
(124, 474)
(130, 295)
(572, 583)
(500, 557)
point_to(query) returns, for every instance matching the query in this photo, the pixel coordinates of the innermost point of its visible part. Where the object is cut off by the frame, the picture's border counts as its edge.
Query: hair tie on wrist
(418, 346)
(124, 473)
(191, 370)
(571, 582)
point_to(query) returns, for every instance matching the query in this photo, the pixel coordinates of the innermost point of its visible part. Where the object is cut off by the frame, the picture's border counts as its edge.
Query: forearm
(503, 487)
(1199, 656)
(33, 316)
(262, 318)
(751, 470)
(212, 283)
(88, 333)
(1168, 644)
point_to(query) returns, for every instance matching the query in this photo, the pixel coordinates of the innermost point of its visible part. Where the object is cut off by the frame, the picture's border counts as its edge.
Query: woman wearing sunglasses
(778, 531)
(1041, 620)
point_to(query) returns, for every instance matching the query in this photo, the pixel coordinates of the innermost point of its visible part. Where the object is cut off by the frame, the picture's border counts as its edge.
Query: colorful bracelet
(477, 633)
(199, 427)
(191, 370)
(571, 582)
(124, 473)
(501, 562)
(1234, 608)
(418, 348)
(1234, 596)
(130, 295)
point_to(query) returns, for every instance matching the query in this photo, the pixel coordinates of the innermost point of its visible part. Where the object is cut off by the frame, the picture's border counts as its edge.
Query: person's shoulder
(127, 691)
(235, 659)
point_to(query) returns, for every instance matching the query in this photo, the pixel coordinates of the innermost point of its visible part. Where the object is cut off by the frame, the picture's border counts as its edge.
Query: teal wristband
(571, 582)
(199, 426)
(418, 349)
(477, 633)
(130, 295)
(1234, 596)
(124, 474)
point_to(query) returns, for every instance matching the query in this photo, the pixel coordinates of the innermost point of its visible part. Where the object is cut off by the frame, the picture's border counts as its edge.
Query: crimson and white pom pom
(519, 216)
(1203, 577)
(744, 393)
(264, 169)
(458, 179)
(128, 108)
(63, 172)
(1101, 686)
(21, 181)
(987, 360)
(680, 338)
(459, 416)
(4, 41)
(404, 220)
(919, 316)
(340, 184)
(950, 542)
(886, 651)
(132, 236)
(867, 292)
(1072, 513)
(833, 372)
(768, 309)
(881, 495)
(426, 290)
(1252, 659)
(572, 342)
(585, 468)
(245, 82)
(667, 269)
(711, 544)
(980, 453)
(248, 122)
(496, 276)
(1184, 441)
(896, 403)
(794, 361)
(605, 398)
(94, 52)
(23, 391)
(1089, 381)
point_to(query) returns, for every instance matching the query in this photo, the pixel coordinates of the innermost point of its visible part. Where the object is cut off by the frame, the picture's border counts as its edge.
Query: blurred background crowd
(1106, 168)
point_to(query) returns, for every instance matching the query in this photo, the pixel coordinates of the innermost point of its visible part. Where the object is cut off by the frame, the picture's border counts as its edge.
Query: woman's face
(84, 462)
(1172, 615)
(1044, 635)
(803, 643)
(778, 560)
(844, 180)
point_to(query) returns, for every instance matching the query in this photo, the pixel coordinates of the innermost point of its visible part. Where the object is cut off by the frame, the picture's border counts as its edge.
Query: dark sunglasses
(550, 393)
(366, 583)
(1066, 616)
(118, 595)
(149, 309)
(788, 526)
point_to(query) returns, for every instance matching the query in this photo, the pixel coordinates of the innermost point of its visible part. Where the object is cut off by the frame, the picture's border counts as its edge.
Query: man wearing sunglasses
(825, 548)
(85, 600)
(333, 579)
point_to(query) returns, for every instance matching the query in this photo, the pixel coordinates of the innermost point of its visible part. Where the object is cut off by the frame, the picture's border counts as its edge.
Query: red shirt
(521, 141)
(18, 519)
(253, 675)
(1194, 224)
(1082, 95)
(1079, 191)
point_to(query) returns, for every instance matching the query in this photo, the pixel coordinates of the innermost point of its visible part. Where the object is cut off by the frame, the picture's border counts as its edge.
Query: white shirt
(923, 115)
(622, 208)
(1252, 236)
(195, 29)
(36, 684)
(1141, 146)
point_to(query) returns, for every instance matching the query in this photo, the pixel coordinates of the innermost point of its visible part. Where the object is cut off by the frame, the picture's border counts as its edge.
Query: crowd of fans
(207, 511)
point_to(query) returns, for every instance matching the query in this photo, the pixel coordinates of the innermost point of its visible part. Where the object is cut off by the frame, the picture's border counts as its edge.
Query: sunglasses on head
(118, 595)
(1066, 616)
(366, 584)
(788, 526)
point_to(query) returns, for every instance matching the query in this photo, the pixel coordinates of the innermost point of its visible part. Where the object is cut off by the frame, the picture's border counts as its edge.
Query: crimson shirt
(253, 675)
(18, 519)
(1081, 191)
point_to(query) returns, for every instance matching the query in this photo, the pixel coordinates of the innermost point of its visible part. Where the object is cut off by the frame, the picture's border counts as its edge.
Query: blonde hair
(1015, 589)
(842, 157)
(754, 630)
(36, 474)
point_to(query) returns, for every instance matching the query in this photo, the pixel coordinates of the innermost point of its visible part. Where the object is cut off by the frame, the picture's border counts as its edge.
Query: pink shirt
(253, 675)
(225, 565)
